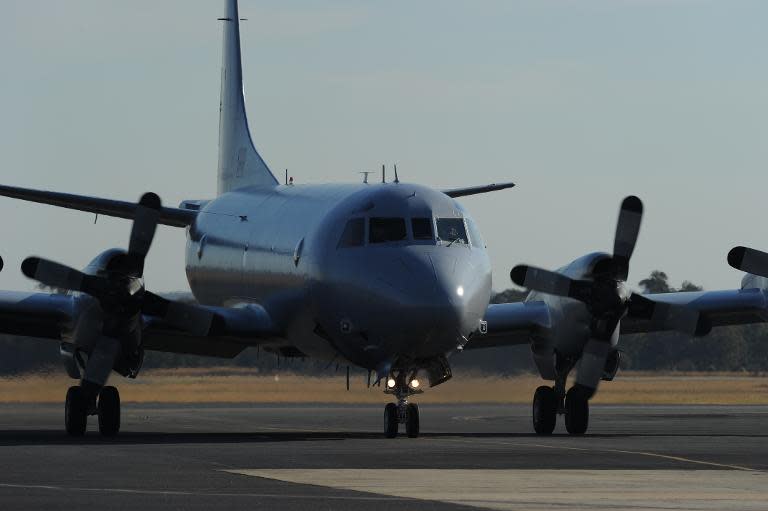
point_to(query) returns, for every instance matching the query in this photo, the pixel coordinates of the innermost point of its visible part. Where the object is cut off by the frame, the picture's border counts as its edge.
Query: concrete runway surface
(334, 457)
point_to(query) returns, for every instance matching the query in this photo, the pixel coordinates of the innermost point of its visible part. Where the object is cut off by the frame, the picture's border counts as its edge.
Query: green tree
(657, 282)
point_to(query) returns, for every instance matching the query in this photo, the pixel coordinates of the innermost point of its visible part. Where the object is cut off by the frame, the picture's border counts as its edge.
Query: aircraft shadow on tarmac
(56, 437)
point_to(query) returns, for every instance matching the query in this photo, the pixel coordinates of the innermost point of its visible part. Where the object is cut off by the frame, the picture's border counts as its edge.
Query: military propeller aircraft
(391, 277)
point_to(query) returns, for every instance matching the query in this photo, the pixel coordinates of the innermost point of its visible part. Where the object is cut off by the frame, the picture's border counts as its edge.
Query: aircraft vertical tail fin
(239, 162)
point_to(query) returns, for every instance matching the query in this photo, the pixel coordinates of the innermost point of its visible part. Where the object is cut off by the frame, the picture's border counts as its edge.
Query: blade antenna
(397, 179)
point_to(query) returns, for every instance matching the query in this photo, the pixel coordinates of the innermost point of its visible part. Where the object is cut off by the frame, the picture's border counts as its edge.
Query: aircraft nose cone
(440, 289)
(459, 289)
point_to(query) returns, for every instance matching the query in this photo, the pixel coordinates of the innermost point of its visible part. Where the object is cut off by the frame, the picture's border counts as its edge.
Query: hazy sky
(580, 102)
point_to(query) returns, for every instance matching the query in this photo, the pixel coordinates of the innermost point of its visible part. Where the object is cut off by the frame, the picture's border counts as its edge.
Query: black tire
(544, 410)
(75, 412)
(412, 420)
(576, 411)
(391, 420)
(109, 411)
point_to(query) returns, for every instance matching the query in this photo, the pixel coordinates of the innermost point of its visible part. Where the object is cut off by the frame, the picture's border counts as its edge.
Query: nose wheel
(401, 412)
(394, 415)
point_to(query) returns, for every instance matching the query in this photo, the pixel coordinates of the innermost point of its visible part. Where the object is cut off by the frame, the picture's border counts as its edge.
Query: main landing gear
(549, 402)
(81, 402)
(402, 412)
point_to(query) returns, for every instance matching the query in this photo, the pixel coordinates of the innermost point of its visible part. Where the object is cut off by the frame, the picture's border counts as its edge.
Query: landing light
(391, 383)
(415, 383)
(460, 290)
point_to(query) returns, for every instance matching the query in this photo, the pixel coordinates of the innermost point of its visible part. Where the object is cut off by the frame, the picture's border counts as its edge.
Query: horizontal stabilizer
(168, 216)
(474, 190)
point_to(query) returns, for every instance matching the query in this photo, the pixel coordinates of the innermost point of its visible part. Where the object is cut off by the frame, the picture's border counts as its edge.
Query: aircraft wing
(174, 217)
(55, 316)
(511, 324)
(232, 330)
(721, 308)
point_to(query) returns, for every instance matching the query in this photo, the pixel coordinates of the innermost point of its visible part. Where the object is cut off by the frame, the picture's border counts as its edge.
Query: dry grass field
(229, 385)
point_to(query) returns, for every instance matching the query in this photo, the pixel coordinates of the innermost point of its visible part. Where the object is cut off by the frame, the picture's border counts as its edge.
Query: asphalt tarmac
(335, 457)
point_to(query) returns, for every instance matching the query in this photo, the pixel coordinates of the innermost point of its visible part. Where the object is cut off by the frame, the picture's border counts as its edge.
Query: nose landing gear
(402, 412)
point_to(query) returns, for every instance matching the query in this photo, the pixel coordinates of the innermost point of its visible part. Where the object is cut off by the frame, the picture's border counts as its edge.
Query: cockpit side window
(452, 230)
(474, 234)
(422, 228)
(383, 230)
(354, 233)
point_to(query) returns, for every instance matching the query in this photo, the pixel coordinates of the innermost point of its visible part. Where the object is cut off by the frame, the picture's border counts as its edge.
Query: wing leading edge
(511, 324)
(173, 217)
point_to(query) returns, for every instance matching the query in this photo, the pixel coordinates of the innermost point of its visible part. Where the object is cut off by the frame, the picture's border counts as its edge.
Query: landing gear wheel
(544, 410)
(75, 412)
(412, 420)
(109, 411)
(576, 411)
(391, 420)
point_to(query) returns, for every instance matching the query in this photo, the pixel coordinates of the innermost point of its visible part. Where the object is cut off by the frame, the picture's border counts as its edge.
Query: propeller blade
(550, 282)
(144, 226)
(53, 274)
(1, 264)
(190, 318)
(749, 260)
(669, 316)
(627, 232)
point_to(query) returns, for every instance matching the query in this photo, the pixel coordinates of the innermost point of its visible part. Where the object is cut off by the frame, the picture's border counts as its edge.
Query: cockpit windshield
(354, 234)
(383, 230)
(448, 231)
(422, 228)
(452, 230)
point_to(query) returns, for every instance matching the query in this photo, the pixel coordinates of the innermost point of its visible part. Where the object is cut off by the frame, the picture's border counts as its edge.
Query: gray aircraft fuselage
(371, 303)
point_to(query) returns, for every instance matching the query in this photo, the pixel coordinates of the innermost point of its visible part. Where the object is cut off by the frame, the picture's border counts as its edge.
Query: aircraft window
(422, 228)
(474, 234)
(451, 230)
(387, 229)
(354, 233)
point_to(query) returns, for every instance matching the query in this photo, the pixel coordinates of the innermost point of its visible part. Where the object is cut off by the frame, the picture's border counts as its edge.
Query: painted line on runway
(614, 451)
(184, 493)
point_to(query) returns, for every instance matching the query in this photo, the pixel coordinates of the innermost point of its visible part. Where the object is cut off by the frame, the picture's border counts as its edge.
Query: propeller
(749, 260)
(606, 295)
(119, 289)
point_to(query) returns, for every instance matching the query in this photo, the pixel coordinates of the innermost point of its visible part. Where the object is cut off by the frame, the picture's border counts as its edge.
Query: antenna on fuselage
(286, 176)
(397, 179)
(383, 173)
(365, 176)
